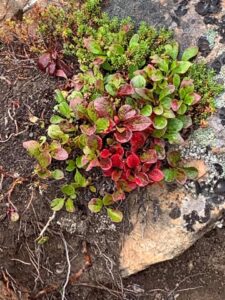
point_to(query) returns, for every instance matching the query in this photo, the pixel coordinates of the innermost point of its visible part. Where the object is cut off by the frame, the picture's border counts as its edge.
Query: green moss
(207, 86)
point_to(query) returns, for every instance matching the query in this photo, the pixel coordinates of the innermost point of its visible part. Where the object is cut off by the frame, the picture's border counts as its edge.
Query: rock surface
(10, 7)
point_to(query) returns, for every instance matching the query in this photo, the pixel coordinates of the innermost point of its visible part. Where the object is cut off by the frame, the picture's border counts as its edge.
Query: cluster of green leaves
(94, 38)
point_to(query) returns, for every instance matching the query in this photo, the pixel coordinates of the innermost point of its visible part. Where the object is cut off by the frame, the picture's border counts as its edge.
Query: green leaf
(173, 158)
(57, 174)
(191, 172)
(182, 67)
(189, 99)
(176, 80)
(115, 215)
(69, 205)
(138, 81)
(68, 189)
(169, 175)
(56, 119)
(189, 53)
(146, 110)
(92, 188)
(42, 240)
(169, 114)
(79, 163)
(182, 109)
(181, 176)
(59, 97)
(95, 48)
(174, 125)
(159, 122)
(116, 49)
(44, 159)
(64, 109)
(107, 199)
(111, 89)
(71, 165)
(95, 205)
(158, 133)
(57, 204)
(134, 41)
(55, 133)
(187, 121)
(172, 50)
(158, 110)
(102, 124)
(80, 179)
(174, 137)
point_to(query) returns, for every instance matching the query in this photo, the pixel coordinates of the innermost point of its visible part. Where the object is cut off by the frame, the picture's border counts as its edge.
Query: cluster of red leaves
(133, 167)
(132, 158)
(53, 65)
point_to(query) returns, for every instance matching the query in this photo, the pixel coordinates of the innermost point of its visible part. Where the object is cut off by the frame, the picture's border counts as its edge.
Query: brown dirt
(28, 267)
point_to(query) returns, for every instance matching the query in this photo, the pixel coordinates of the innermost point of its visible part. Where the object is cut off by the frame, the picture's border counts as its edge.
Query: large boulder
(168, 219)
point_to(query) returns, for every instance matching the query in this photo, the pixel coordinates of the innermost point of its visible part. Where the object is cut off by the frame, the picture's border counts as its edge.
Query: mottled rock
(9, 8)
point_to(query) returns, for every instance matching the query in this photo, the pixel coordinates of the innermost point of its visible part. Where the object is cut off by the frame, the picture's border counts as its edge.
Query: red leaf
(43, 61)
(150, 156)
(175, 105)
(102, 106)
(61, 73)
(108, 172)
(156, 175)
(197, 98)
(94, 163)
(94, 142)
(88, 130)
(117, 161)
(116, 174)
(126, 186)
(51, 68)
(126, 90)
(186, 82)
(133, 161)
(126, 112)
(60, 154)
(138, 123)
(63, 67)
(117, 149)
(105, 153)
(137, 141)
(118, 195)
(142, 179)
(105, 164)
(123, 137)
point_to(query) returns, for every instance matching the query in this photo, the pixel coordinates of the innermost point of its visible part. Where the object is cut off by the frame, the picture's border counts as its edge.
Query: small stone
(202, 8)
(219, 187)
(204, 46)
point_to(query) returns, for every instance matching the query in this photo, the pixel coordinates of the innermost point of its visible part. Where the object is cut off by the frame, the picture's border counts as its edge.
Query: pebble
(219, 187)
(204, 46)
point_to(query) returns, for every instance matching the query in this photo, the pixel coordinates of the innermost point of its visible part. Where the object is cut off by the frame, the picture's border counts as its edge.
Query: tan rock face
(169, 224)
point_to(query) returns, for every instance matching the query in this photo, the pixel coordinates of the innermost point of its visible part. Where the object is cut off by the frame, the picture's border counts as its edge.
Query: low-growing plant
(121, 126)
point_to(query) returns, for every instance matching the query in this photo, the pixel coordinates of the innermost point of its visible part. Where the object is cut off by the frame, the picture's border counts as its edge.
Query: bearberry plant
(122, 124)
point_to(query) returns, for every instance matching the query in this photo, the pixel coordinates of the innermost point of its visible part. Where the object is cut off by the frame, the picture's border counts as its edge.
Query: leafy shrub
(120, 126)
(94, 38)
